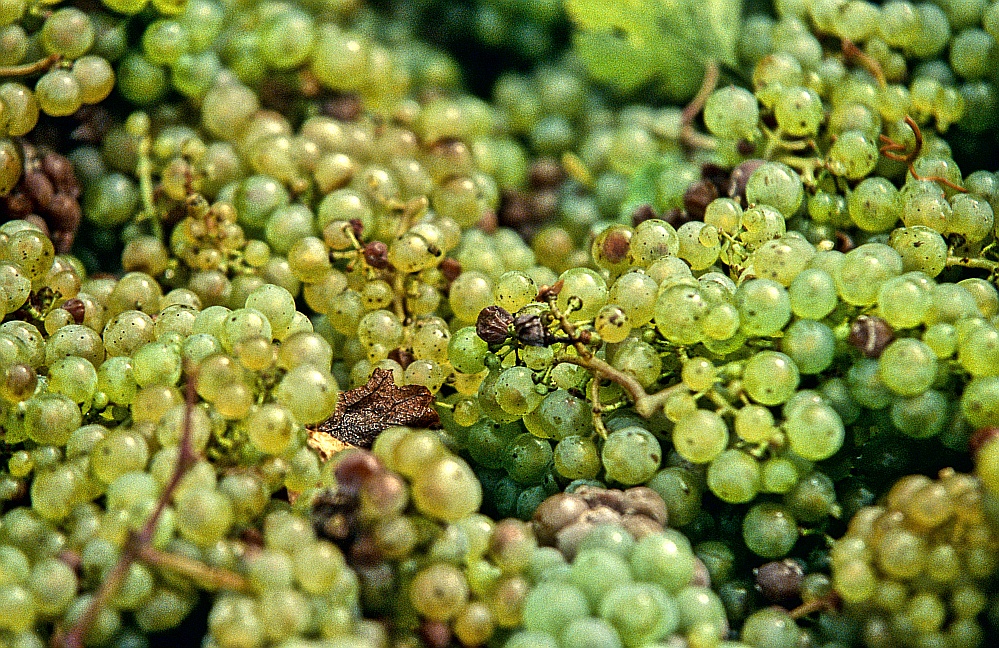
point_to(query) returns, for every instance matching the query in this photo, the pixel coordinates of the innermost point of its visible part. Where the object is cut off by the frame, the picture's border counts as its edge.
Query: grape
(700, 436)
(769, 530)
(770, 378)
(732, 113)
(777, 185)
(734, 477)
(631, 455)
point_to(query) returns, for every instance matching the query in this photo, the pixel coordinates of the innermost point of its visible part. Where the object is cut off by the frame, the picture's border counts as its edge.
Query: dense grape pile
(703, 296)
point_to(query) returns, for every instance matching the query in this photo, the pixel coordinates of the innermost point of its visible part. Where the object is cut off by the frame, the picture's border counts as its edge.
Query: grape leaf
(630, 42)
(363, 412)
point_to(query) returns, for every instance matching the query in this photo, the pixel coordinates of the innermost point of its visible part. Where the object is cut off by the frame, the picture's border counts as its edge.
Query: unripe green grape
(970, 53)
(651, 240)
(634, 293)
(68, 32)
(700, 436)
(770, 627)
(732, 113)
(516, 392)
(908, 366)
(770, 378)
(699, 244)
(50, 418)
(769, 530)
(815, 432)
(286, 39)
(972, 218)
(782, 259)
(852, 155)
(875, 205)
(734, 477)
(921, 249)
(588, 292)
(308, 394)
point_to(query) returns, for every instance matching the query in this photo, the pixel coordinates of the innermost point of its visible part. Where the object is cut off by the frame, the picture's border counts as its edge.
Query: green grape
(921, 248)
(908, 366)
(586, 289)
(577, 457)
(770, 628)
(309, 394)
(812, 294)
(782, 259)
(864, 270)
(701, 612)
(447, 490)
(979, 352)
(139, 80)
(770, 378)
(754, 423)
(699, 244)
(49, 419)
(777, 185)
(640, 612)
(810, 344)
(700, 436)
(732, 113)
(734, 477)
(631, 455)
(903, 301)
(798, 112)
(612, 324)
(74, 377)
(971, 217)
(516, 392)
(678, 314)
(22, 107)
(469, 294)
(68, 32)
(639, 359)
(769, 530)
(514, 290)
(815, 431)
(921, 416)
(651, 240)
(764, 307)
(875, 205)
(852, 155)
(528, 458)
(467, 351)
(778, 475)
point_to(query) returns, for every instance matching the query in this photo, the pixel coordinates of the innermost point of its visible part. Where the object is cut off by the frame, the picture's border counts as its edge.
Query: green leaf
(628, 42)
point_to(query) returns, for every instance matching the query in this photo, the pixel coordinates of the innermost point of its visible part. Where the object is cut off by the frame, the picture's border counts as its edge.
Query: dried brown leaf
(363, 412)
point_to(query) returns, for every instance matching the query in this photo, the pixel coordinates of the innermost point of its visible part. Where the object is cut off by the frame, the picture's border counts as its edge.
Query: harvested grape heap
(560, 324)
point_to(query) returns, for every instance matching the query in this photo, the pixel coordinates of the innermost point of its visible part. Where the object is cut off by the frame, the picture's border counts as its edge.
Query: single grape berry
(493, 324)
(870, 335)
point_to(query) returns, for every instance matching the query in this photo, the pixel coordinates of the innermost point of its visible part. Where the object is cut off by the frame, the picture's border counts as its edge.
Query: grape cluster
(914, 569)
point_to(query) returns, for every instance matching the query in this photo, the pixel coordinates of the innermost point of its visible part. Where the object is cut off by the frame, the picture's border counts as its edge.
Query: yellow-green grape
(734, 477)
(863, 270)
(74, 377)
(908, 366)
(612, 324)
(447, 490)
(700, 436)
(583, 294)
(783, 259)
(203, 516)
(639, 359)
(754, 424)
(308, 259)
(49, 419)
(470, 293)
(156, 363)
(515, 391)
(875, 205)
(514, 290)
(760, 224)
(764, 307)
(635, 293)
(815, 431)
(777, 185)
(309, 394)
(22, 105)
(95, 77)
(699, 244)
(17, 286)
(119, 452)
(439, 592)
(652, 239)
(724, 214)
(698, 374)
(770, 377)
(679, 313)
(170, 427)
(631, 455)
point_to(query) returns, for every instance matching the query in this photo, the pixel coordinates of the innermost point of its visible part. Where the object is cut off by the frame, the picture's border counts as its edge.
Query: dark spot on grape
(870, 335)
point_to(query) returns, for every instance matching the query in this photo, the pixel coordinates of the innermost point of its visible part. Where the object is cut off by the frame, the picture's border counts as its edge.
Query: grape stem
(138, 546)
(646, 404)
(27, 69)
(688, 134)
(970, 262)
(891, 148)
(851, 51)
(212, 578)
(828, 602)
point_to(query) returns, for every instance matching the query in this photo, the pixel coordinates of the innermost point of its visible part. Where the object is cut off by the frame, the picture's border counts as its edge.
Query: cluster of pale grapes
(691, 348)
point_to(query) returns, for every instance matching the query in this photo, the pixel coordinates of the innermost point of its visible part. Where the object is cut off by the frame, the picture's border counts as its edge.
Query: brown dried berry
(39, 188)
(615, 246)
(546, 173)
(641, 214)
(981, 438)
(493, 324)
(403, 356)
(870, 335)
(698, 196)
(376, 255)
(76, 308)
(740, 177)
(530, 331)
(779, 580)
(345, 107)
(450, 268)
(515, 209)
